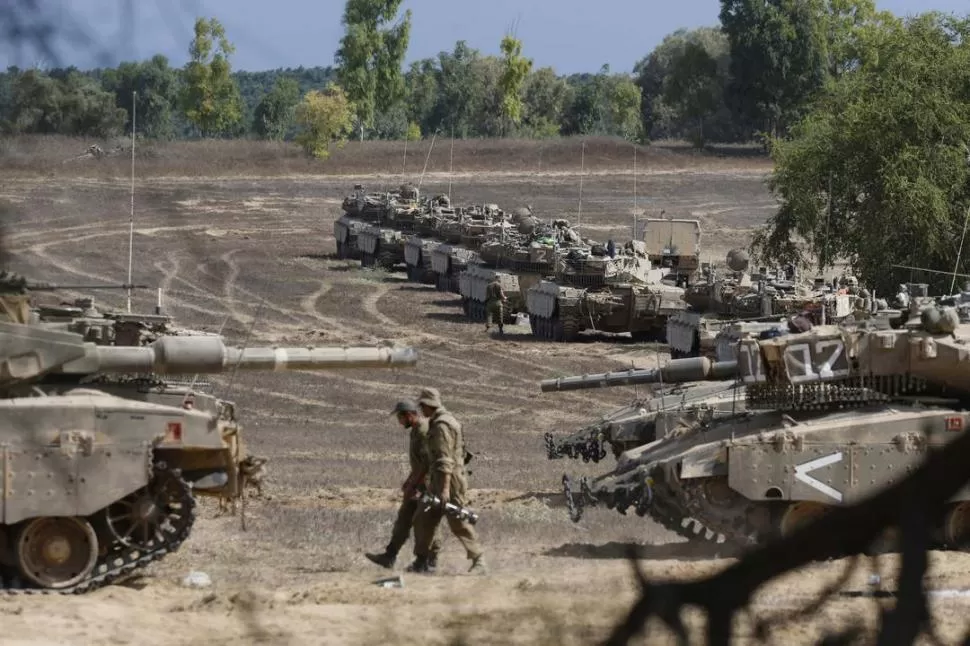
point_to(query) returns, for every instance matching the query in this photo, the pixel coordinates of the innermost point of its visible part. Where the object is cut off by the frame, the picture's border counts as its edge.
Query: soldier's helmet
(430, 397)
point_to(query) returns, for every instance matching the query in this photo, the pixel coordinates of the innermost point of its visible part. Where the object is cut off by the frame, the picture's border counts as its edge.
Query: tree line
(753, 74)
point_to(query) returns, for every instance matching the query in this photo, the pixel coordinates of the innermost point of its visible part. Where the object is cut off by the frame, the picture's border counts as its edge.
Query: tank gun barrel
(676, 371)
(51, 287)
(209, 355)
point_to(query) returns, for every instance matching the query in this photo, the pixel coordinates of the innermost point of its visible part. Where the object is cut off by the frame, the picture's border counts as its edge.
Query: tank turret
(676, 371)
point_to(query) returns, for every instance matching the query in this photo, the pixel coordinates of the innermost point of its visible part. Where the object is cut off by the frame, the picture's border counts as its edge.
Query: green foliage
(274, 114)
(544, 102)
(413, 133)
(71, 104)
(325, 118)
(515, 69)
(694, 86)
(892, 138)
(370, 56)
(777, 58)
(603, 104)
(210, 97)
(156, 85)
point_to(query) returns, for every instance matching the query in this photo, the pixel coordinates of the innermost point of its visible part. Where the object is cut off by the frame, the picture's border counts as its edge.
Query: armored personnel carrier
(832, 415)
(675, 245)
(614, 294)
(101, 479)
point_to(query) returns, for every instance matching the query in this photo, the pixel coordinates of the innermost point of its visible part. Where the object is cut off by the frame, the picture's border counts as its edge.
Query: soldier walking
(447, 480)
(494, 305)
(419, 458)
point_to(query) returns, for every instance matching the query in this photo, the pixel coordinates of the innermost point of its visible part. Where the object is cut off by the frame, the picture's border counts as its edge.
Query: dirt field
(238, 246)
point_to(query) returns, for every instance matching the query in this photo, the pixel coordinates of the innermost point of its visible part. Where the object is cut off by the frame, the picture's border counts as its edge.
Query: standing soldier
(419, 457)
(494, 302)
(447, 480)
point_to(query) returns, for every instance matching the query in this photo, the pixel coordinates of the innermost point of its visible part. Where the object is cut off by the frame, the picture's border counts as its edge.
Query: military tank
(359, 208)
(831, 415)
(738, 297)
(519, 260)
(419, 247)
(462, 238)
(102, 477)
(621, 293)
(371, 213)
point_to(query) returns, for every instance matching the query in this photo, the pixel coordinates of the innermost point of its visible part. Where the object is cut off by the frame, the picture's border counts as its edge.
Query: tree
(515, 69)
(777, 58)
(70, 104)
(653, 73)
(326, 117)
(370, 57)
(156, 86)
(694, 87)
(891, 138)
(274, 113)
(544, 102)
(622, 109)
(210, 97)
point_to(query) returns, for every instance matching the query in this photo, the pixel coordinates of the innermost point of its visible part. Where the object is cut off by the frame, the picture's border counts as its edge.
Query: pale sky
(569, 35)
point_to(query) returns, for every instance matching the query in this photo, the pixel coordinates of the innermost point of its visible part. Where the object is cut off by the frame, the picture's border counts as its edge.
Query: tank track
(654, 499)
(132, 558)
(585, 444)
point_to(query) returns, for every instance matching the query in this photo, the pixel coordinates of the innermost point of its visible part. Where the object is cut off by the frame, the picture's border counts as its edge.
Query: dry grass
(31, 155)
(223, 243)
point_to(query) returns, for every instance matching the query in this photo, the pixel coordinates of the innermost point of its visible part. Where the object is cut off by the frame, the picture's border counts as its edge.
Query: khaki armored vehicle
(831, 415)
(418, 248)
(380, 247)
(462, 240)
(618, 294)
(675, 245)
(395, 210)
(102, 476)
(521, 255)
(737, 297)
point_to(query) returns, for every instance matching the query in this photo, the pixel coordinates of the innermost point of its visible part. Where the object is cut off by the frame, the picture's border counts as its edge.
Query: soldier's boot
(386, 559)
(422, 565)
(478, 565)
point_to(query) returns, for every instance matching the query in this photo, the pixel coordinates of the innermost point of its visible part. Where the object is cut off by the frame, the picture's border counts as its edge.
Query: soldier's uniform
(419, 459)
(14, 300)
(494, 305)
(446, 444)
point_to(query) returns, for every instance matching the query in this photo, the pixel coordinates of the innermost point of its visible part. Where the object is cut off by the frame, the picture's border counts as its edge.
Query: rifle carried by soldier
(431, 501)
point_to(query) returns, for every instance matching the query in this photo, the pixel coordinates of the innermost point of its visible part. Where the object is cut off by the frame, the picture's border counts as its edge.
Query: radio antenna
(131, 215)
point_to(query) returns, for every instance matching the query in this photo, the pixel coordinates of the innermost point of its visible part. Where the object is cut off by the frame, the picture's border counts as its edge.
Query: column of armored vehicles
(782, 399)
(653, 287)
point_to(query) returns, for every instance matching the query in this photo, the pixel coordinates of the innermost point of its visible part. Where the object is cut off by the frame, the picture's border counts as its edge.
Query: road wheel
(385, 260)
(56, 552)
(798, 515)
(956, 525)
(570, 329)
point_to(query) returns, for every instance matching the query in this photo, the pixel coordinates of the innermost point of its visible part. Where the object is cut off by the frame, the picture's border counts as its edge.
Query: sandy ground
(241, 254)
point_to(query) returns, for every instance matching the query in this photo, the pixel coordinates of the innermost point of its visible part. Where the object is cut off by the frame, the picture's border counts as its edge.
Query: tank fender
(829, 473)
(705, 462)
